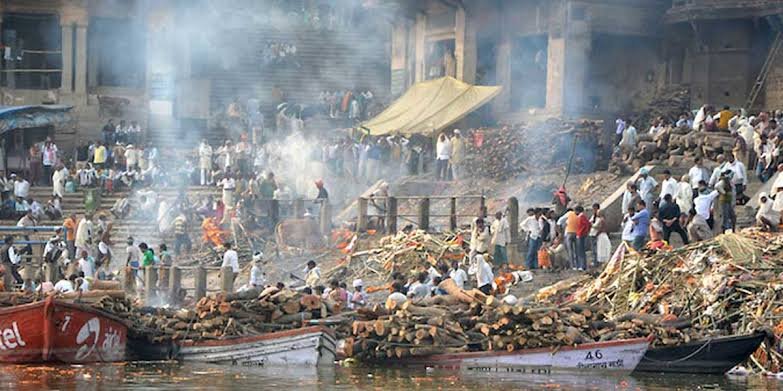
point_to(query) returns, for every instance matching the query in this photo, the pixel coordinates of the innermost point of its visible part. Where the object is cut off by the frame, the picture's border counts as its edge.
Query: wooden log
(380, 327)
(243, 295)
(294, 318)
(423, 311)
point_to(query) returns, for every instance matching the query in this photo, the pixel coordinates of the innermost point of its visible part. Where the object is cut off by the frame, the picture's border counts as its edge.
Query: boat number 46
(594, 355)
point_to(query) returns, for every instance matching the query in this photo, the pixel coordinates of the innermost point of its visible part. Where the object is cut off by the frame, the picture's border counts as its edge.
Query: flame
(212, 232)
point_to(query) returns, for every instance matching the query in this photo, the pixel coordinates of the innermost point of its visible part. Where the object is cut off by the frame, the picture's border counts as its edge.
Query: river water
(177, 376)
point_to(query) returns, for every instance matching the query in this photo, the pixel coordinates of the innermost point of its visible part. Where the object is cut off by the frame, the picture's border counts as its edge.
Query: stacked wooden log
(232, 315)
(668, 103)
(509, 151)
(674, 147)
(462, 321)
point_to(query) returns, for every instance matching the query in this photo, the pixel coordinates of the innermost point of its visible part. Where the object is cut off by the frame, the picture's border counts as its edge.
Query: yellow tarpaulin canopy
(430, 106)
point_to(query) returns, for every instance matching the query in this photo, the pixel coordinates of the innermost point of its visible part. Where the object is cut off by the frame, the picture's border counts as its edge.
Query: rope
(688, 357)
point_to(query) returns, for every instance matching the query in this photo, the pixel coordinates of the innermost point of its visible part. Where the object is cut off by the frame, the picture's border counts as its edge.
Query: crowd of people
(708, 198)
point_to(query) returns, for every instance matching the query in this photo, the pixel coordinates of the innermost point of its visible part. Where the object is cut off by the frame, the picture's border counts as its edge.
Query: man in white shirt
(483, 272)
(257, 276)
(629, 139)
(630, 197)
(532, 227)
(696, 174)
(668, 185)
(230, 259)
(766, 217)
(647, 185)
(501, 235)
(205, 162)
(66, 286)
(86, 264)
(443, 154)
(229, 186)
(703, 202)
(740, 177)
(83, 240)
(21, 187)
(479, 238)
(458, 275)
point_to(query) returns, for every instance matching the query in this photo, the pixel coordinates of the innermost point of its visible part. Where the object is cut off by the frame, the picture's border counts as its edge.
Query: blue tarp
(33, 116)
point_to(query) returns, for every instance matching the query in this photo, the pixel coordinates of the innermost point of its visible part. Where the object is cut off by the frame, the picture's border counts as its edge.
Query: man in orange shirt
(570, 219)
(582, 230)
(724, 117)
(70, 225)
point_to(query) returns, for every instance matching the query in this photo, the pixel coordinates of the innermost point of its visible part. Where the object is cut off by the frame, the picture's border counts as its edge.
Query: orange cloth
(543, 259)
(70, 229)
(572, 222)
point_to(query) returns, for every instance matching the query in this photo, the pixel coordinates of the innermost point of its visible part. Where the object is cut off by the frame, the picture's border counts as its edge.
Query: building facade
(591, 57)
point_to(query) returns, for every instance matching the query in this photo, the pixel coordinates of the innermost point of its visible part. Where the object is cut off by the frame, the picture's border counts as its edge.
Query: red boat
(57, 331)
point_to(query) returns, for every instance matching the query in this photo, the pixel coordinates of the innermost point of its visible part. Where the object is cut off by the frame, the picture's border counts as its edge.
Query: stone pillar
(399, 58)
(391, 215)
(150, 284)
(465, 47)
(80, 73)
(502, 103)
(201, 283)
(66, 85)
(421, 48)
(175, 282)
(361, 218)
(567, 61)
(424, 214)
(92, 62)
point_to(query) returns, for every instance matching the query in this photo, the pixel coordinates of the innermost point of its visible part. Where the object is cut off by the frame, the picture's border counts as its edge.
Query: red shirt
(583, 226)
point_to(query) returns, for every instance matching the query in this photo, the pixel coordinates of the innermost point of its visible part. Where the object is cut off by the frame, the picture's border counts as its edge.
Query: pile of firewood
(403, 252)
(509, 151)
(470, 321)
(730, 285)
(668, 103)
(232, 315)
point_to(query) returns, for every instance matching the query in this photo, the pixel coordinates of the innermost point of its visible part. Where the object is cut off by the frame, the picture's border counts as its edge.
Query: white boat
(308, 346)
(621, 356)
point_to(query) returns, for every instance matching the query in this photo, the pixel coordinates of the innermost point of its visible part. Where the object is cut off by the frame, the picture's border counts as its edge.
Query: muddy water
(175, 376)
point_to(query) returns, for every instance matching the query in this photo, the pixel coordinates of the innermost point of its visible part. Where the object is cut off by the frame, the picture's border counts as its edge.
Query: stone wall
(773, 92)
